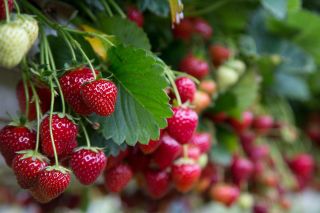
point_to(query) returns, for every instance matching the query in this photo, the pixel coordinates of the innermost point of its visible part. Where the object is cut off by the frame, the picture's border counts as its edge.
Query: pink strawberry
(157, 183)
(3, 9)
(183, 30)
(239, 125)
(241, 170)
(14, 139)
(52, 182)
(302, 165)
(262, 124)
(194, 66)
(202, 27)
(71, 83)
(100, 96)
(167, 152)
(223, 193)
(186, 88)
(87, 164)
(118, 177)
(64, 134)
(135, 15)
(202, 140)
(185, 173)
(26, 166)
(193, 152)
(182, 124)
(44, 96)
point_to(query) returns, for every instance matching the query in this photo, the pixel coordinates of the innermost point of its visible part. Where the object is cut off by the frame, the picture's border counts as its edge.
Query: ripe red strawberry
(27, 166)
(194, 66)
(14, 139)
(302, 165)
(116, 160)
(185, 173)
(226, 194)
(202, 140)
(3, 9)
(100, 96)
(241, 170)
(182, 124)
(242, 124)
(87, 164)
(186, 88)
(219, 54)
(167, 152)
(52, 182)
(64, 134)
(71, 83)
(135, 15)
(247, 139)
(157, 183)
(202, 27)
(184, 29)
(262, 124)
(137, 160)
(118, 177)
(44, 96)
(150, 147)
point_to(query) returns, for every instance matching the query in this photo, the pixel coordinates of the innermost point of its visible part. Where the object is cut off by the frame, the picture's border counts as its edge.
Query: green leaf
(158, 7)
(142, 106)
(110, 147)
(294, 5)
(277, 7)
(127, 32)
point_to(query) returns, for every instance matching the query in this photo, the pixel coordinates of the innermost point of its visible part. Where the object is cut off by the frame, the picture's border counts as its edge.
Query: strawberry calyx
(58, 168)
(184, 161)
(203, 160)
(21, 122)
(33, 154)
(94, 149)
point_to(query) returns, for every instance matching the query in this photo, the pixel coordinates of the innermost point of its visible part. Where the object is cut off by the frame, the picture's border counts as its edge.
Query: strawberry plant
(208, 106)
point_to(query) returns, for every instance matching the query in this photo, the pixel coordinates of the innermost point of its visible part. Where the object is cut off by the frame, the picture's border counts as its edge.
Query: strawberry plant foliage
(142, 105)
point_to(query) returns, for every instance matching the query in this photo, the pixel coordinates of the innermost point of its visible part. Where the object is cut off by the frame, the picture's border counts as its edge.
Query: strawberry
(239, 125)
(116, 160)
(194, 66)
(52, 182)
(226, 194)
(182, 124)
(185, 173)
(44, 96)
(135, 15)
(150, 147)
(202, 28)
(3, 8)
(118, 177)
(100, 96)
(64, 134)
(71, 83)
(263, 123)
(30, 25)
(14, 44)
(218, 117)
(137, 160)
(208, 86)
(193, 152)
(186, 89)
(219, 54)
(241, 170)
(302, 165)
(14, 139)
(201, 101)
(226, 77)
(27, 166)
(167, 152)
(87, 164)
(260, 208)
(259, 152)
(157, 183)
(202, 140)
(183, 30)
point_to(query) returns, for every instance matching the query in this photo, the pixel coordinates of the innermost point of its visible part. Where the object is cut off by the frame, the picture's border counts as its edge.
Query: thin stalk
(36, 99)
(26, 93)
(16, 5)
(173, 84)
(117, 8)
(185, 151)
(73, 54)
(85, 134)
(6, 6)
(107, 7)
(88, 11)
(50, 124)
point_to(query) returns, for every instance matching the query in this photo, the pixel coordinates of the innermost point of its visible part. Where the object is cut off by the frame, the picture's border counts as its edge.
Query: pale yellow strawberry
(30, 25)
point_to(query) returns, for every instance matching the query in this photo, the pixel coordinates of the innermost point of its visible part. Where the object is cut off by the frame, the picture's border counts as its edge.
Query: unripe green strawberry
(30, 25)
(14, 44)
(226, 77)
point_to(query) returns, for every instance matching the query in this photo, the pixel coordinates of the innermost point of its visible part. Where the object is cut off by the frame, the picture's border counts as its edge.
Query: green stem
(16, 5)
(170, 77)
(208, 9)
(6, 6)
(26, 92)
(74, 58)
(87, 11)
(186, 75)
(117, 8)
(107, 7)
(50, 124)
(85, 134)
(185, 151)
(36, 99)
